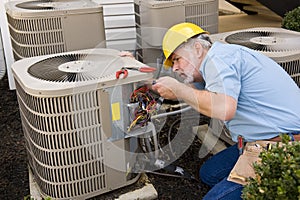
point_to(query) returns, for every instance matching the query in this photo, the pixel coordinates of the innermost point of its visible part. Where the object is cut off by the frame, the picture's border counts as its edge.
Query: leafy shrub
(278, 174)
(291, 20)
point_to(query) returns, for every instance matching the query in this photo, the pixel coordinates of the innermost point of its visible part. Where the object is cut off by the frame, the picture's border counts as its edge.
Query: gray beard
(188, 80)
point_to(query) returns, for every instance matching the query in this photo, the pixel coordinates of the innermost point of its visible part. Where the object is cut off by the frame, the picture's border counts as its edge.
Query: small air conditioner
(45, 27)
(280, 44)
(75, 114)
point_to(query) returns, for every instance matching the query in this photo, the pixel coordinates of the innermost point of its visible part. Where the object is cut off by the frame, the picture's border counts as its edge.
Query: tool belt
(243, 168)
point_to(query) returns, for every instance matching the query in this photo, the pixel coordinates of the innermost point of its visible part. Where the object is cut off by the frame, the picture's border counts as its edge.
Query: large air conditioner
(43, 27)
(75, 115)
(280, 44)
(155, 17)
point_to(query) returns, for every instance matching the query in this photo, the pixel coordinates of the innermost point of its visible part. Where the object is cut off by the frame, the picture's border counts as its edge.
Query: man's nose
(175, 67)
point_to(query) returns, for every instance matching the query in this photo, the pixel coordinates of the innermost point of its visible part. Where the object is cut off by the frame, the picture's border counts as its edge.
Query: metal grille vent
(291, 65)
(265, 40)
(33, 37)
(65, 144)
(72, 68)
(203, 13)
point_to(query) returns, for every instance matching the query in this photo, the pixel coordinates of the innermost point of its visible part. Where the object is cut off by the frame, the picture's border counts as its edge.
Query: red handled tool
(124, 70)
(240, 144)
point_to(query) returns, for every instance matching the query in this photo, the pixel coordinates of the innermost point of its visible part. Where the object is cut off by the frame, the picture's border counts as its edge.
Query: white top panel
(161, 4)
(98, 65)
(38, 8)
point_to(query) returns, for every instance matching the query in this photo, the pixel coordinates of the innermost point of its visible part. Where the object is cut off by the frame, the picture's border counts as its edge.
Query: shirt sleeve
(222, 75)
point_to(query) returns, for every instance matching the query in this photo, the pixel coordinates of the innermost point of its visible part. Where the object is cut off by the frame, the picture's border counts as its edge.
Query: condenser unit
(280, 44)
(155, 17)
(75, 114)
(204, 13)
(45, 27)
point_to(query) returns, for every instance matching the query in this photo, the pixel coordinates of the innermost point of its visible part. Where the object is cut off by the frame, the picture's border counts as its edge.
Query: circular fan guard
(72, 68)
(36, 5)
(265, 40)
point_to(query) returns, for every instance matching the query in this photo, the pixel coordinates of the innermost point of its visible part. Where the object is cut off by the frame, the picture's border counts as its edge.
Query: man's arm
(214, 105)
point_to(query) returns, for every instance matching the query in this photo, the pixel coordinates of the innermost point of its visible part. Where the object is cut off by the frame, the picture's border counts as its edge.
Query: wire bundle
(146, 107)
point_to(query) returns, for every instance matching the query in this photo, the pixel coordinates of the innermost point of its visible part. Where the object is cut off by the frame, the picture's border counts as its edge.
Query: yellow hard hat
(177, 35)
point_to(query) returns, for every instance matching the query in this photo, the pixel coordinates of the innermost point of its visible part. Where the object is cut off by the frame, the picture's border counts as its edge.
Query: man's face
(184, 64)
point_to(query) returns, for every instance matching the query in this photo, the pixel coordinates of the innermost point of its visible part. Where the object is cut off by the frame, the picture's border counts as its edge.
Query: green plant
(291, 20)
(29, 197)
(277, 176)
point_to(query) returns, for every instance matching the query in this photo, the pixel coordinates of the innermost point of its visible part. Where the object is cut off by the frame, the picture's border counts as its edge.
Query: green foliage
(28, 197)
(291, 20)
(278, 174)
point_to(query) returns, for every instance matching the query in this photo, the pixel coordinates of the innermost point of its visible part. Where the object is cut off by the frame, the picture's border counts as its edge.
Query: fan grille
(45, 4)
(36, 5)
(265, 40)
(74, 67)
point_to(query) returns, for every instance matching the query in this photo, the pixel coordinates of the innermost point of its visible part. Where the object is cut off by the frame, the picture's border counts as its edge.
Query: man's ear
(199, 49)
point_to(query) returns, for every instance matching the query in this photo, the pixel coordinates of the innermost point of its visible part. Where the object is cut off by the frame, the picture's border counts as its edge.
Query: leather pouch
(243, 168)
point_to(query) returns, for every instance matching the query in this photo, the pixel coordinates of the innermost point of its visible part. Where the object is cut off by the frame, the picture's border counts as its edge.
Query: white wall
(6, 43)
(119, 23)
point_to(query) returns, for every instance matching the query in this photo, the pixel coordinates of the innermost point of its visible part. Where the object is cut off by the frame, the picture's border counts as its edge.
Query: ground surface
(14, 181)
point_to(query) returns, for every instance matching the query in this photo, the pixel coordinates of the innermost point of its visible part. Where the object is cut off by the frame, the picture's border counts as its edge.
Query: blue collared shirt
(268, 100)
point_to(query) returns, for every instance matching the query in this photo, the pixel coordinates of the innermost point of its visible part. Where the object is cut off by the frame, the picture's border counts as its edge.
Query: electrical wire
(146, 107)
(171, 113)
(169, 175)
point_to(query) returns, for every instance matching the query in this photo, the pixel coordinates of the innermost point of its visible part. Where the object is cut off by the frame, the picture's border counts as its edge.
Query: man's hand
(167, 87)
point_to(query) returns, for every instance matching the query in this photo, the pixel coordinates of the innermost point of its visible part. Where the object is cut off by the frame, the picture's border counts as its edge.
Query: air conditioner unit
(204, 13)
(45, 27)
(75, 114)
(280, 44)
(155, 17)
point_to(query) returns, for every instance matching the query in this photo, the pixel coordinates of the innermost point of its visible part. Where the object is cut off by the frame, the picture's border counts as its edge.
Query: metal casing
(75, 130)
(204, 13)
(155, 17)
(48, 27)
